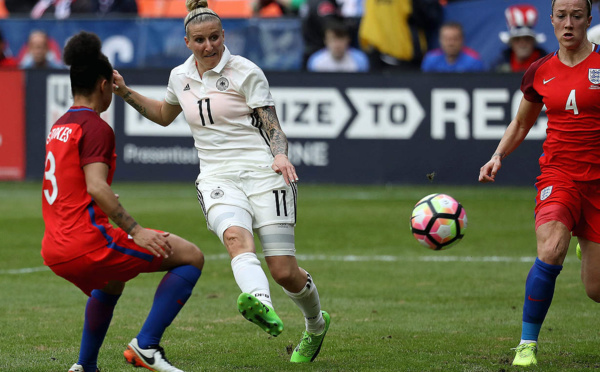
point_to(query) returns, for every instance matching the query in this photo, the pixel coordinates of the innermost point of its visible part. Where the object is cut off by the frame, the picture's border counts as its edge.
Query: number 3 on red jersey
(49, 176)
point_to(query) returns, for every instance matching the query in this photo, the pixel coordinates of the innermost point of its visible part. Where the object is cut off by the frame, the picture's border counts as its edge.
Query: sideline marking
(26, 270)
(347, 258)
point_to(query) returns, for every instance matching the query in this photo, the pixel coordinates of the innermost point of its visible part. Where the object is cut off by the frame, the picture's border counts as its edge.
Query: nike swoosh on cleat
(149, 361)
(535, 300)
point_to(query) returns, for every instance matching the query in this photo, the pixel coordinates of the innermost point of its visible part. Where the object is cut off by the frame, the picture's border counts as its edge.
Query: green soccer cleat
(525, 355)
(310, 344)
(260, 314)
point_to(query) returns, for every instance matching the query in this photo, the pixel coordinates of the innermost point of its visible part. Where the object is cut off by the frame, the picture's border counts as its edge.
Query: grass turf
(394, 305)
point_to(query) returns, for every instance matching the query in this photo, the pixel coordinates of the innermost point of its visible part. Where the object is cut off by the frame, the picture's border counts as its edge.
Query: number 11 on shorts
(284, 203)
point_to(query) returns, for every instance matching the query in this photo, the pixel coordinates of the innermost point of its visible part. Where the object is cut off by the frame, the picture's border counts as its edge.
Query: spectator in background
(38, 53)
(64, 8)
(338, 56)
(315, 14)
(393, 33)
(19, 7)
(114, 6)
(38, 8)
(593, 33)
(285, 7)
(351, 12)
(521, 38)
(452, 56)
(5, 59)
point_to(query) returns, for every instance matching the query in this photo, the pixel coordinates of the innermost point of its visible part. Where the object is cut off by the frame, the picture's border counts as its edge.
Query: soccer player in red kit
(79, 242)
(568, 198)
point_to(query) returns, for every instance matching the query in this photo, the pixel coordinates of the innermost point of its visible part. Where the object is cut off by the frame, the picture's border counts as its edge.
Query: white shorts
(264, 195)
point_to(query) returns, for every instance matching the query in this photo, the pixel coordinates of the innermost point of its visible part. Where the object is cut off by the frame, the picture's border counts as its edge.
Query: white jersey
(353, 61)
(593, 34)
(219, 108)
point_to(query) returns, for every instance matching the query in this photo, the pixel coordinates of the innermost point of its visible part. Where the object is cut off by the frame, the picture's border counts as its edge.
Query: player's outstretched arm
(95, 178)
(159, 112)
(515, 134)
(279, 144)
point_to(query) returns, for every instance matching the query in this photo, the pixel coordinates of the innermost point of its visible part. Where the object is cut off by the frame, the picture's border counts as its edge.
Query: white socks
(250, 277)
(528, 342)
(308, 302)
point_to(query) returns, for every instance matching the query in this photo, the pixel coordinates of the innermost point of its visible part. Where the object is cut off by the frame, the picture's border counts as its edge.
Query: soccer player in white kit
(246, 181)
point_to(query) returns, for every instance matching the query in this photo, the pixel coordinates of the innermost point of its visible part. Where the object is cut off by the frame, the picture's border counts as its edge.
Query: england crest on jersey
(546, 193)
(594, 75)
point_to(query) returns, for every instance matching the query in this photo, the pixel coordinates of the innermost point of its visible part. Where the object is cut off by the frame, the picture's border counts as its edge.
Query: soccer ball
(438, 221)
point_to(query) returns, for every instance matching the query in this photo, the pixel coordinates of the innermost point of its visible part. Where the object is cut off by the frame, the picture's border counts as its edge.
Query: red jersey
(572, 99)
(520, 66)
(8, 62)
(75, 225)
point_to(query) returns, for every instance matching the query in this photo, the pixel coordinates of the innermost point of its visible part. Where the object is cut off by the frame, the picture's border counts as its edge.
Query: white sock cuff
(305, 290)
(528, 342)
(296, 295)
(250, 277)
(248, 257)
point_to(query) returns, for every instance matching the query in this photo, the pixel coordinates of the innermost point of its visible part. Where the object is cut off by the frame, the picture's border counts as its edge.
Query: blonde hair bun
(195, 4)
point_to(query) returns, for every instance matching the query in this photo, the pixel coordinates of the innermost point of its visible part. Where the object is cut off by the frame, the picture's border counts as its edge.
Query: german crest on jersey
(594, 75)
(217, 194)
(222, 83)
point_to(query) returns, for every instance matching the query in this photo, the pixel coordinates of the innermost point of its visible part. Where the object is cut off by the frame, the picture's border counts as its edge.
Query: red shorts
(121, 259)
(574, 203)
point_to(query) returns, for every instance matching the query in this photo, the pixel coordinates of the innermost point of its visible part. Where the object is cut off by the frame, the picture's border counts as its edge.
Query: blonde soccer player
(246, 181)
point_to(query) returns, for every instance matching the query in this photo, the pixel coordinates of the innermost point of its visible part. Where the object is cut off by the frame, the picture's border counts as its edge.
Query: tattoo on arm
(135, 105)
(279, 143)
(130, 228)
(123, 219)
(500, 154)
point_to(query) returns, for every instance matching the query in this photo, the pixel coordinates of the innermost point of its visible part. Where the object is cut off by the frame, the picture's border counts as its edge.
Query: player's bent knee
(593, 291)
(195, 255)
(198, 259)
(284, 276)
(238, 239)
(224, 220)
(232, 236)
(595, 296)
(553, 252)
(186, 253)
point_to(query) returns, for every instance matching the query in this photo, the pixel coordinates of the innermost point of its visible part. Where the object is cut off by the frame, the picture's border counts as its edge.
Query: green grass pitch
(394, 305)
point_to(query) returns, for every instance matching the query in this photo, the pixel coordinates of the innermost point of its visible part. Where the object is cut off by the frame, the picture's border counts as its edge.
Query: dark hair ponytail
(83, 53)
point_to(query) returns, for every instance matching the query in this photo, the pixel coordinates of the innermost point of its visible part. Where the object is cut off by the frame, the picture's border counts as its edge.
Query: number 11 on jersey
(205, 101)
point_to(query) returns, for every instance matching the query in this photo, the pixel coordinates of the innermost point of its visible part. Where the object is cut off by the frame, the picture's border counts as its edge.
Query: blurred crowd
(339, 35)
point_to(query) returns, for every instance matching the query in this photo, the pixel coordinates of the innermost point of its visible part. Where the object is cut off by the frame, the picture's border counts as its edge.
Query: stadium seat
(241, 9)
(224, 8)
(231, 8)
(162, 8)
